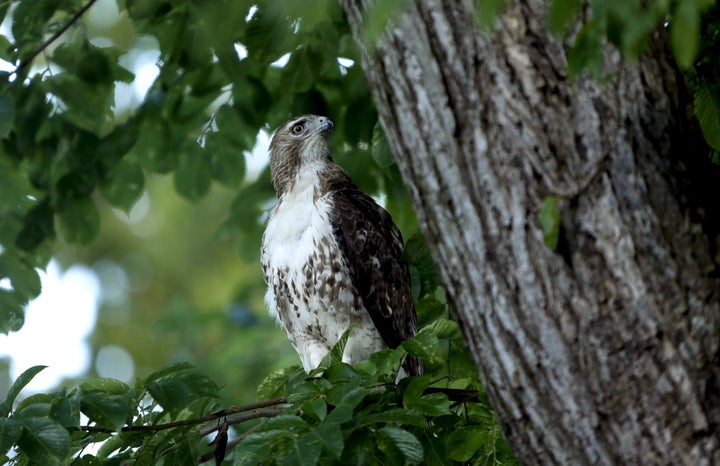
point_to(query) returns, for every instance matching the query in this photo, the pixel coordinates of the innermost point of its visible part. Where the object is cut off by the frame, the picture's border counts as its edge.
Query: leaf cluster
(127, 421)
(66, 146)
(336, 414)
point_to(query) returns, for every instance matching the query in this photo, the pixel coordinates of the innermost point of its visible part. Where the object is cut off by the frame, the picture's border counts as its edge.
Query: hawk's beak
(325, 125)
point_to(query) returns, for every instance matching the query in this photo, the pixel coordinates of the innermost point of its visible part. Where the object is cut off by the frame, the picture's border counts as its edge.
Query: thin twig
(242, 417)
(255, 409)
(53, 38)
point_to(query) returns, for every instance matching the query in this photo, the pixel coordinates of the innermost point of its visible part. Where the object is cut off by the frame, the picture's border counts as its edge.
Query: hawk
(331, 255)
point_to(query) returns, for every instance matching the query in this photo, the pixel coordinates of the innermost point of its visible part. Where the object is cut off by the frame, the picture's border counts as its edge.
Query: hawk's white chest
(310, 291)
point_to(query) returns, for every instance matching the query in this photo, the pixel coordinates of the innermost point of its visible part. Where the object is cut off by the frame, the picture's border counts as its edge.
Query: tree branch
(53, 38)
(256, 411)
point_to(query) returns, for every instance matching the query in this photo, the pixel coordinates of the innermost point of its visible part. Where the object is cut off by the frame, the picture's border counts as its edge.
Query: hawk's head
(298, 141)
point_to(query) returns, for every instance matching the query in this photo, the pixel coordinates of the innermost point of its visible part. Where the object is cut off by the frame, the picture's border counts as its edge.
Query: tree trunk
(604, 351)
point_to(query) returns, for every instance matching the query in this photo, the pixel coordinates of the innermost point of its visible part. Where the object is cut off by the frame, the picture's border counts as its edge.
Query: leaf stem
(53, 38)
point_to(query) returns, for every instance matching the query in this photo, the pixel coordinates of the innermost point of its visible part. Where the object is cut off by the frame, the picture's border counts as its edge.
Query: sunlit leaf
(549, 218)
(685, 32)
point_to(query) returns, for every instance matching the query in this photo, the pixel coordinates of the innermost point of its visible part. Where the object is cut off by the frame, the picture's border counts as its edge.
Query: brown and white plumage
(331, 255)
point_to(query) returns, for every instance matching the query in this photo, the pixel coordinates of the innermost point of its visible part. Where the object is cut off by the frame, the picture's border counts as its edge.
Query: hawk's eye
(297, 129)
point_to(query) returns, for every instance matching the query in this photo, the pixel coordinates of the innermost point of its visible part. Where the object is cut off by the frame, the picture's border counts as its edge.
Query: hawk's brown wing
(372, 247)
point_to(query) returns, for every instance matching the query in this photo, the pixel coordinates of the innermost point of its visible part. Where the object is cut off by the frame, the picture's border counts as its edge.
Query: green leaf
(37, 405)
(381, 148)
(173, 395)
(12, 315)
(107, 402)
(88, 105)
(109, 411)
(7, 114)
(145, 9)
(444, 328)
(549, 218)
(405, 442)
(30, 17)
(487, 10)
(562, 13)
(463, 443)
(361, 450)
(299, 73)
(395, 416)
(276, 383)
(378, 17)
(176, 386)
(317, 408)
(586, 52)
(66, 410)
(227, 162)
(24, 279)
(329, 435)
(388, 361)
(80, 220)
(17, 386)
(37, 226)
(104, 384)
(707, 110)
(335, 355)
(360, 121)
(266, 441)
(429, 309)
(268, 35)
(685, 32)
(193, 175)
(434, 404)
(44, 441)
(10, 432)
(174, 369)
(124, 185)
(303, 451)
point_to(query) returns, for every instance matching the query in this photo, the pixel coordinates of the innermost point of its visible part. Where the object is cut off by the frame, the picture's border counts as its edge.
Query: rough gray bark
(605, 351)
